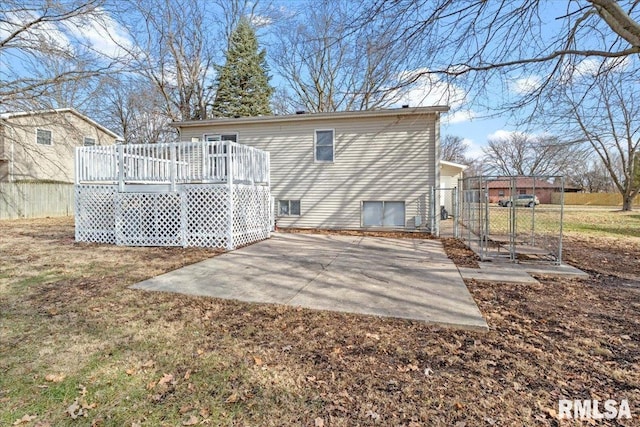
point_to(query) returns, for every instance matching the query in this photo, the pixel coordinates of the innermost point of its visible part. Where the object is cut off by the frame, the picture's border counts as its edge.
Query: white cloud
(428, 90)
(40, 35)
(474, 150)
(260, 21)
(592, 67)
(503, 134)
(98, 32)
(101, 34)
(525, 85)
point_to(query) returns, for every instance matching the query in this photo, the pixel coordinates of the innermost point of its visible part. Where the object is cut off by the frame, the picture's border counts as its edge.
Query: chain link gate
(512, 218)
(443, 211)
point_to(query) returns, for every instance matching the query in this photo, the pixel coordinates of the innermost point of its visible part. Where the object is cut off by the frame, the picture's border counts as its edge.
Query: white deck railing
(172, 163)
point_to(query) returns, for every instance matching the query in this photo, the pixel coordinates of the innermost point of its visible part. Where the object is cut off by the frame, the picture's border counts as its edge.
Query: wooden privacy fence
(593, 199)
(35, 200)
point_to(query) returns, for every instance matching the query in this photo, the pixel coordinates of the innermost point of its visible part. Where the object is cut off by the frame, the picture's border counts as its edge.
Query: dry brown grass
(71, 329)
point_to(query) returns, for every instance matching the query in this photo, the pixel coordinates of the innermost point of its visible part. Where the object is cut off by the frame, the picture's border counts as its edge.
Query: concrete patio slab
(497, 274)
(404, 278)
(562, 270)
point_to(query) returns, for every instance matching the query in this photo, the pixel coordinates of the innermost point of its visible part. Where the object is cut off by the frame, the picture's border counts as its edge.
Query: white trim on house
(221, 135)
(454, 165)
(314, 116)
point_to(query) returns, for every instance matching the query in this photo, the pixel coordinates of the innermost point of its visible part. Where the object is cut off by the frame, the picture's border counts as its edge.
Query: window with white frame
(324, 146)
(383, 214)
(289, 207)
(89, 142)
(222, 137)
(43, 137)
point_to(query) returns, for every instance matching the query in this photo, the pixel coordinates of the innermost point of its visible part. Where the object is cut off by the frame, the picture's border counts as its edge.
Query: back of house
(343, 170)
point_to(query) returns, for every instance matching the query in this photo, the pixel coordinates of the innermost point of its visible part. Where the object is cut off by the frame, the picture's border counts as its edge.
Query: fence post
(78, 166)
(456, 210)
(561, 220)
(230, 190)
(121, 168)
(172, 166)
(432, 210)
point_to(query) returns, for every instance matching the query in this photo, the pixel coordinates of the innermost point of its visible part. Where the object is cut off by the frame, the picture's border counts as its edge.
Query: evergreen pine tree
(243, 82)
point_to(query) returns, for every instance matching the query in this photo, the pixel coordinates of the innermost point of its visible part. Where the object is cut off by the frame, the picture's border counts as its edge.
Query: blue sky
(464, 120)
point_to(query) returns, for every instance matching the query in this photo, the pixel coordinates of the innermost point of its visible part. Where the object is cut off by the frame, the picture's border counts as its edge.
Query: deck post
(172, 166)
(230, 190)
(121, 168)
(78, 166)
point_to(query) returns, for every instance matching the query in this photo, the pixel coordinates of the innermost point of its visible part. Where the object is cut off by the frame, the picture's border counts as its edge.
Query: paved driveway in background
(404, 278)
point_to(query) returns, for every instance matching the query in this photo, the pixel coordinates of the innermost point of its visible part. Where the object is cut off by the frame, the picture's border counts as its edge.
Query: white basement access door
(383, 214)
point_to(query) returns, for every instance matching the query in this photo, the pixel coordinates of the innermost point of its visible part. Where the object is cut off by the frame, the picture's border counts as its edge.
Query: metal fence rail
(501, 219)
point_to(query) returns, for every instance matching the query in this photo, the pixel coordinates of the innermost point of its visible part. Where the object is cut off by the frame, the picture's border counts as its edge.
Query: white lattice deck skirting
(206, 194)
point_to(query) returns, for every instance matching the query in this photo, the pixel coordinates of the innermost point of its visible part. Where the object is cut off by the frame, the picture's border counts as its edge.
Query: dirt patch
(460, 253)
(149, 358)
(616, 256)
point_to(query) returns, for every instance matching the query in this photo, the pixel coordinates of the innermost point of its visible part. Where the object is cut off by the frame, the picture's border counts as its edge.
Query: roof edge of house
(453, 164)
(10, 115)
(315, 116)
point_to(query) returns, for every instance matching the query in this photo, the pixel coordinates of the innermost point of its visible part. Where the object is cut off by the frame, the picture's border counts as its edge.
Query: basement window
(383, 214)
(289, 208)
(89, 142)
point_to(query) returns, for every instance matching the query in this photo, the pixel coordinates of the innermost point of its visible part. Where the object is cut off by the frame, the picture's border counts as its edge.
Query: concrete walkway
(405, 278)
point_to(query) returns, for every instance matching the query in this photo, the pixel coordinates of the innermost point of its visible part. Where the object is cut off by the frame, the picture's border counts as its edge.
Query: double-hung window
(43, 137)
(324, 146)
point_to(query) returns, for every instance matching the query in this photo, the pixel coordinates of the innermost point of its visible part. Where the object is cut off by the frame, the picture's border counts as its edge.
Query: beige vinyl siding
(55, 162)
(389, 158)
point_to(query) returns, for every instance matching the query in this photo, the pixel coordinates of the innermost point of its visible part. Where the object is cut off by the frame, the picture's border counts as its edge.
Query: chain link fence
(511, 218)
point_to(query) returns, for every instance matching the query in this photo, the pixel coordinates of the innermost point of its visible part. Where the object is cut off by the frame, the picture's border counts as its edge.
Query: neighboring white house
(342, 170)
(39, 145)
(450, 173)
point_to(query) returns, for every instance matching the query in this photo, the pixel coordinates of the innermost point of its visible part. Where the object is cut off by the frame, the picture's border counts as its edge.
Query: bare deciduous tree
(332, 65)
(43, 45)
(134, 108)
(603, 108)
(591, 177)
(519, 153)
(175, 48)
(454, 149)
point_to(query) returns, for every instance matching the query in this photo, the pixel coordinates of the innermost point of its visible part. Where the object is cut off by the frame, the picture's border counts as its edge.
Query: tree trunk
(627, 203)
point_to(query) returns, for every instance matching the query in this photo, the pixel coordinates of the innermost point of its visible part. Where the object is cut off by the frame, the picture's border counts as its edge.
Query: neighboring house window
(522, 191)
(501, 193)
(89, 142)
(289, 208)
(222, 137)
(324, 148)
(43, 137)
(383, 214)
